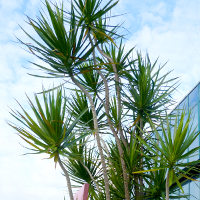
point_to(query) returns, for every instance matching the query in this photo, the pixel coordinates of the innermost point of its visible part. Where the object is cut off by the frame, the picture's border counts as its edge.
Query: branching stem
(106, 181)
(106, 106)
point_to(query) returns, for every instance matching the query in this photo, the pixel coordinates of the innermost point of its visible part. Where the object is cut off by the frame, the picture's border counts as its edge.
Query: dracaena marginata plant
(111, 98)
(49, 130)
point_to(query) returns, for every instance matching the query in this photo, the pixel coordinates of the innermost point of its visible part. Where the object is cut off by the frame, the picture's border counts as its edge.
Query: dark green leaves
(77, 104)
(149, 92)
(62, 49)
(91, 10)
(120, 58)
(47, 131)
(171, 149)
(89, 77)
(80, 159)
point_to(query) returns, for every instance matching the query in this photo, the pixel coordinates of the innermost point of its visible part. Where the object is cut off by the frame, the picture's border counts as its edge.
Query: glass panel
(186, 190)
(172, 124)
(184, 122)
(193, 97)
(183, 107)
(194, 121)
(194, 117)
(184, 104)
(195, 190)
(176, 193)
(196, 154)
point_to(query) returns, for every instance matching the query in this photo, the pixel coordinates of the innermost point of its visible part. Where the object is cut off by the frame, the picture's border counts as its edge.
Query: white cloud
(174, 39)
(10, 5)
(26, 176)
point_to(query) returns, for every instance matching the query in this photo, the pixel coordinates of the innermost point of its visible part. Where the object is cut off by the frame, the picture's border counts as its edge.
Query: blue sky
(169, 30)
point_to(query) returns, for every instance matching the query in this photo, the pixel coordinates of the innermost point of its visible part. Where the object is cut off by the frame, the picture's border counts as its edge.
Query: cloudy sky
(169, 30)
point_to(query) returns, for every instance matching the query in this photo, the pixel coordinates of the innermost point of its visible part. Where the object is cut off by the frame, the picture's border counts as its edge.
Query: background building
(192, 102)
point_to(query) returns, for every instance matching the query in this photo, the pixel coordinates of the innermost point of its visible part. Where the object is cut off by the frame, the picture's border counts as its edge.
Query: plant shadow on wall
(104, 129)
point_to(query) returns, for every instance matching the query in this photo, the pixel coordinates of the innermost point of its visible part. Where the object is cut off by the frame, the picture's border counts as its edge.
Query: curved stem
(124, 170)
(88, 171)
(141, 161)
(106, 106)
(67, 178)
(106, 181)
(117, 82)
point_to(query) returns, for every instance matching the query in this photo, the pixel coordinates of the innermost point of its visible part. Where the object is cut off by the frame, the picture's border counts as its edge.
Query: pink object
(82, 194)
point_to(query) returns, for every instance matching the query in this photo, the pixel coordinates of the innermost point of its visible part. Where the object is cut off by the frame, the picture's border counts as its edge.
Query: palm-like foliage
(119, 58)
(48, 131)
(63, 50)
(145, 97)
(81, 158)
(89, 77)
(91, 14)
(149, 93)
(77, 104)
(89, 10)
(115, 173)
(156, 185)
(172, 150)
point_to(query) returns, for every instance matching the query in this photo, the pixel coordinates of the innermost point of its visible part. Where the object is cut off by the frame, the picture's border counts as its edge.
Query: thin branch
(106, 106)
(91, 177)
(67, 178)
(106, 181)
(117, 81)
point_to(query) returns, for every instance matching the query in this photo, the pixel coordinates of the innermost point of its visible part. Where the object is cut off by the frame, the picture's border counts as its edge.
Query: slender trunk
(167, 186)
(105, 147)
(106, 181)
(138, 147)
(136, 187)
(106, 106)
(141, 161)
(117, 82)
(67, 178)
(124, 170)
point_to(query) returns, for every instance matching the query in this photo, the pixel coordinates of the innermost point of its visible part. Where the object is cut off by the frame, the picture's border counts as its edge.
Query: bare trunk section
(141, 181)
(137, 178)
(136, 187)
(117, 82)
(106, 181)
(167, 186)
(124, 170)
(106, 106)
(67, 178)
